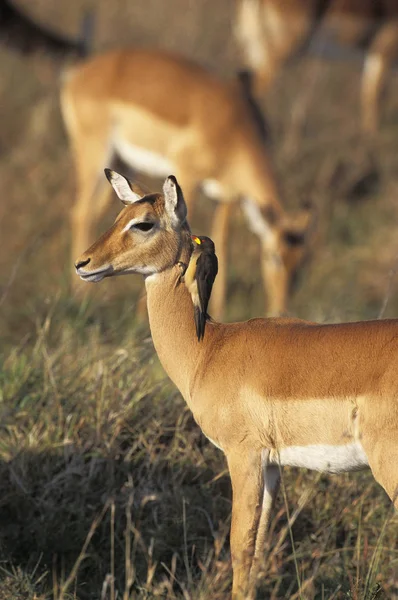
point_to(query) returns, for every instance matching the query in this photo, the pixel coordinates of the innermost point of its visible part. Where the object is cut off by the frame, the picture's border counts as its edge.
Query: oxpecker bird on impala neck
(199, 278)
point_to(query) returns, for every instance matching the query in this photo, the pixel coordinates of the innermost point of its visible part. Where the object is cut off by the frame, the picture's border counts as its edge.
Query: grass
(109, 490)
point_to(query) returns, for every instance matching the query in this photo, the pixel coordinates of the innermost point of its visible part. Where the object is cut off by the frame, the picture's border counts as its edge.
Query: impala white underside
(329, 459)
(155, 165)
(143, 160)
(325, 458)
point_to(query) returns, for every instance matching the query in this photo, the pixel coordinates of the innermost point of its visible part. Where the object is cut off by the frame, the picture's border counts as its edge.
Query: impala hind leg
(271, 475)
(252, 498)
(268, 34)
(382, 55)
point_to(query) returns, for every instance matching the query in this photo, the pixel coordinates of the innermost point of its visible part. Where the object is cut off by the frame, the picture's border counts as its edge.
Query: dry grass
(108, 489)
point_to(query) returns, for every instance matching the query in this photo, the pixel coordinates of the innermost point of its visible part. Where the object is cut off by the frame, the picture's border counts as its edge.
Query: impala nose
(81, 263)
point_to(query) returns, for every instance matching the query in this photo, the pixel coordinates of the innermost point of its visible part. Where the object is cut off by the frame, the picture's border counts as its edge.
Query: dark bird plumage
(199, 279)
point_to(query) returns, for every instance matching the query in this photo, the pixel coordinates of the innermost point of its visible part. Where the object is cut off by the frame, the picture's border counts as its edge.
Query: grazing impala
(267, 392)
(271, 31)
(162, 114)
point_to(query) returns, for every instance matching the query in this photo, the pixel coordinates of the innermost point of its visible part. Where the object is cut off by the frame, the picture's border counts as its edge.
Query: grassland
(108, 489)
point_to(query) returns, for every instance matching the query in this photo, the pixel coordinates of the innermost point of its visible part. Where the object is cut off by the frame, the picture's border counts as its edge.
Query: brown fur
(260, 386)
(271, 31)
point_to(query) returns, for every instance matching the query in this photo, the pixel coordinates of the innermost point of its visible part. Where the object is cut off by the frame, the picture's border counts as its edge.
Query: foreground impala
(271, 31)
(163, 114)
(268, 392)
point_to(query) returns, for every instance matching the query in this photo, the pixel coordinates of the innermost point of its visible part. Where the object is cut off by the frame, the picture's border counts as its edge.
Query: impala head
(286, 243)
(146, 237)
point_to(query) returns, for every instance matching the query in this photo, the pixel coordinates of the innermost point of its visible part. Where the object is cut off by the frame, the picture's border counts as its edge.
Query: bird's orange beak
(196, 239)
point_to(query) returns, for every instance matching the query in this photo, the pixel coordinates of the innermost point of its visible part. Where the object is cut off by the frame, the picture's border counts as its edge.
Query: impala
(267, 392)
(164, 114)
(271, 31)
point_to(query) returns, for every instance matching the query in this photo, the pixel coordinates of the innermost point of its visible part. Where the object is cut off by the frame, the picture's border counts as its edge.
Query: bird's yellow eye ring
(196, 240)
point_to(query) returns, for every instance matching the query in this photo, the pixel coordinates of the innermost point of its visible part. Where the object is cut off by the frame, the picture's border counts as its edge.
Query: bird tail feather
(200, 322)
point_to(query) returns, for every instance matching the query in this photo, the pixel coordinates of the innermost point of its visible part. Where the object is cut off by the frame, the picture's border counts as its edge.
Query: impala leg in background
(382, 54)
(247, 493)
(275, 280)
(92, 195)
(268, 35)
(89, 132)
(220, 237)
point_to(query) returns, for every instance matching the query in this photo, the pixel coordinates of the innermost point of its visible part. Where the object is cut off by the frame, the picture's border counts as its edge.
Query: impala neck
(171, 319)
(257, 180)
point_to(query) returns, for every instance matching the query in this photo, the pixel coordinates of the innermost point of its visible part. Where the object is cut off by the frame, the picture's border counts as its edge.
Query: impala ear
(174, 201)
(123, 188)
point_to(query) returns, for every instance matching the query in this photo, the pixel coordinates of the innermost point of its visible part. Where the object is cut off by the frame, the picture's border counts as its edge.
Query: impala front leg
(247, 492)
(275, 280)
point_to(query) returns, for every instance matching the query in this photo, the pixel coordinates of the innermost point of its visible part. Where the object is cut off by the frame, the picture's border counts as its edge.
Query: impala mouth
(94, 276)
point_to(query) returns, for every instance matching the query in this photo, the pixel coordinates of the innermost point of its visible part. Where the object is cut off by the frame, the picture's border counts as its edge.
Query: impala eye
(144, 226)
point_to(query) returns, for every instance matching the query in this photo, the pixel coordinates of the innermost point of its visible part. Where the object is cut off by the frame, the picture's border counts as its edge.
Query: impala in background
(271, 31)
(267, 392)
(164, 114)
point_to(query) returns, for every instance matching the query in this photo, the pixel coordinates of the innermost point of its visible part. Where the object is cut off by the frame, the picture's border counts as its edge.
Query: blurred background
(325, 159)
(64, 359)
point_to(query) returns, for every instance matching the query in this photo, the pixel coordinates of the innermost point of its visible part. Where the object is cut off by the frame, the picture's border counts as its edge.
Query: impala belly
(143, 140)
(144, 160)
(327, 458)
(322, 434)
